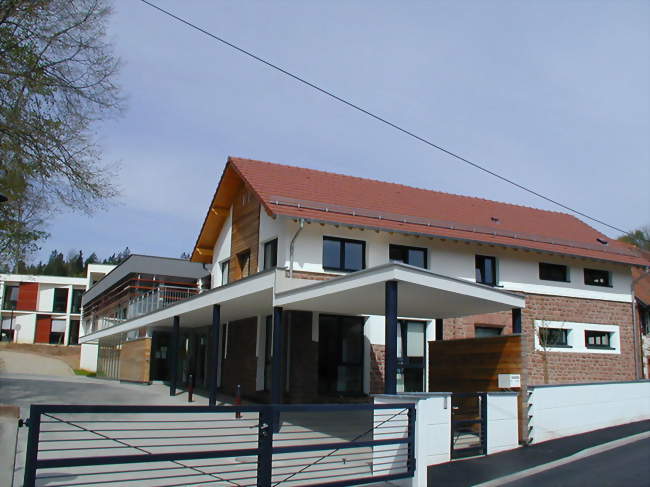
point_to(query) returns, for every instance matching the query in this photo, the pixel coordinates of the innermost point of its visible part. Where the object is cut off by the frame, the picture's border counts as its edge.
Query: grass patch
(87, 373)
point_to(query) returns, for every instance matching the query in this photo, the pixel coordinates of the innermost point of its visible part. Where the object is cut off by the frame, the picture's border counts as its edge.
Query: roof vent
(602, 241)
(494, 219)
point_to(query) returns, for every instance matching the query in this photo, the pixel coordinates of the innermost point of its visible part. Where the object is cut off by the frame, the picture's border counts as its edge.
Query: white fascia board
(567, 292)
(62, 280)
(251, 285)
(400, 272)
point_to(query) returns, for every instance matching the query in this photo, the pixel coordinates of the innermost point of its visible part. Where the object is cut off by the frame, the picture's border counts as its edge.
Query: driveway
(29, 363)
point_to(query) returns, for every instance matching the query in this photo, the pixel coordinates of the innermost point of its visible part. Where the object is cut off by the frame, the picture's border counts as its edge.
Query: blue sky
(554, 95)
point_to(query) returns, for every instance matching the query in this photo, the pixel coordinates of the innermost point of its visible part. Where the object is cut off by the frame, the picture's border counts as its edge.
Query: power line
(377, 117)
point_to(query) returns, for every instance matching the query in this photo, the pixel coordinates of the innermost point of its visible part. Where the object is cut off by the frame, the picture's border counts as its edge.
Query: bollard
(238, 402)
(190, 387)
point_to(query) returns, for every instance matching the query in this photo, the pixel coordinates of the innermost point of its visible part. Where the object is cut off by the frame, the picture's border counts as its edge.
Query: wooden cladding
(473, 364)
(135, 360)
(43, 329)
(27, 296)
(244, 245)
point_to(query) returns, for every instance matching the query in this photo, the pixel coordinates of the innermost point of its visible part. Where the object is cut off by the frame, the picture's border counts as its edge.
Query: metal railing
(317, 444)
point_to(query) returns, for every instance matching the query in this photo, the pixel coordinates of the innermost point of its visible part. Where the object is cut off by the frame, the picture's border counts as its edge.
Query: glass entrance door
(340, 355)
(411, 344)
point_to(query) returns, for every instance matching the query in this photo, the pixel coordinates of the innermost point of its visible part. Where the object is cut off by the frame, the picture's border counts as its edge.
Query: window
(596, 277)
(340, 355)
(597, 339)
(11, 297)
(225, 267)
(244, 259)
(408, 255)
(60, 304)
(411, 343)
(344, 255)
(76, 300)
(486, 270)
(268, 353)
(553, 337)
(73, 334)
(270, 254)
(487, 331)
(553, 272)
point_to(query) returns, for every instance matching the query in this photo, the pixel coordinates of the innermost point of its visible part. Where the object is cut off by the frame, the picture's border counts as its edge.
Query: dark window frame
(9, 303)
(564, 341)
(77, 294)
(477, 266)
(226, 264)
(339, 320)
(244, 262)
(342, 242)
(597, 334)
(406, 249)
(591, 277)
(56, 303)
(488, 327)
(546, 270)
(271, 244)
(409, 362)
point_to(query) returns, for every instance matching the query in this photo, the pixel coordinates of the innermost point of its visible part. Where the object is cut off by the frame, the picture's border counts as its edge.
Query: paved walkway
(28, 363)
(479, 470)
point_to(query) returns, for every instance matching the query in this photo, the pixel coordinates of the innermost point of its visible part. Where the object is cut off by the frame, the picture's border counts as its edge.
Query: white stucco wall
(25, 326)
(88, 357)
(502, 422)
(517, 270)
(45, 297)
(565, 410)
(271, 228)
(221, 250)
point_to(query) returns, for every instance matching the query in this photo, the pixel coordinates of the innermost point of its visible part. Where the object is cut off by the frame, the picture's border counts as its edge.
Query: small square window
(553, 272)
(487, 331)
(598, 339)
(597, 277)
(553, 337)
(270, 254)
(486, 270)
(408, 255)
(244, 259)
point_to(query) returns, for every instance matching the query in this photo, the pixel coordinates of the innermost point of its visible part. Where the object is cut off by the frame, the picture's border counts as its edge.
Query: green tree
(57, 78)
(639, 237)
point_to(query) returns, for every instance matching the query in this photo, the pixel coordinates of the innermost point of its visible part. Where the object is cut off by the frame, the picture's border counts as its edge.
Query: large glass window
(487, 331)
(225, 267)
(60, 304)
(411, 345)
(270, 254)
(73, 333)
(408, 255)
(597, 277)
(553, 337)
(244, 259)
(11, 297)
(553, 272)
(486, 270)
(344, 255)
(340, 355)
(76, 300)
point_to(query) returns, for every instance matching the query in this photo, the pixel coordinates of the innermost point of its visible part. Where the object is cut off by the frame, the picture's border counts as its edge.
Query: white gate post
(502, 421)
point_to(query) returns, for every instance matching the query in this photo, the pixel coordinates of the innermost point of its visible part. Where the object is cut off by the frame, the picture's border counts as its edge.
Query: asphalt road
(628, 466)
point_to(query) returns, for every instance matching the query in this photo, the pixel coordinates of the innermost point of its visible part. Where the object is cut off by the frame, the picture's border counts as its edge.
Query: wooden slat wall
(135, 360)
(473, 364)
(43, 329)
(27, 296)
(245, 231)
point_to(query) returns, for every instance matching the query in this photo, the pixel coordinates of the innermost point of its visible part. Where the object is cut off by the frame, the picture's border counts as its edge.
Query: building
(641, 282)
(138, 286)
(41, 309)
(326, 286)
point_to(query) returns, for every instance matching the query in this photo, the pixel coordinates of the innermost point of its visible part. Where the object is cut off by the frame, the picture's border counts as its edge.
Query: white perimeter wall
(517, 270)
(565, 410)
(88, 357)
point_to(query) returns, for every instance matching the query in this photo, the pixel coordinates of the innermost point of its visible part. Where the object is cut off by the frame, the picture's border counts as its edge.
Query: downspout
(301, 223)
(636, 332)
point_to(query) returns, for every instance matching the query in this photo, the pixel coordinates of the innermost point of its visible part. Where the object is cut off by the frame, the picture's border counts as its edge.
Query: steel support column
(276, 370)
(215, 332)
(516, 320)
(390, 360)
(439, 329)
(173, 368)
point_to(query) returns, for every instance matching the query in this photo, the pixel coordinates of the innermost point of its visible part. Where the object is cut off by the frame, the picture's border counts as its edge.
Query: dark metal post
(411, 441)
(439, 329)
(173, 370)
(276, 370)
(516, 320)
(215, 333)
(390, 367)
(484, 417)
(265, 446)
(29, 479)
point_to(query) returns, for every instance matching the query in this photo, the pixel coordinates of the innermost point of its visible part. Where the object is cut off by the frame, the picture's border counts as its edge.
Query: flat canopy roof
(421, 294)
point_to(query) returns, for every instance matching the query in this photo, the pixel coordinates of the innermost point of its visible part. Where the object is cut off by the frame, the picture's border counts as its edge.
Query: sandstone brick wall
(577, 367)
(377, 367)
(457, 328)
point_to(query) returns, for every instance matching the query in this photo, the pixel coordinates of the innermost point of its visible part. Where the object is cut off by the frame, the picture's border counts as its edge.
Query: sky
(554, 95)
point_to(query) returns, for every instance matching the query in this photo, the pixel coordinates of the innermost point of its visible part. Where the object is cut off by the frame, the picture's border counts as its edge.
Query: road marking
(587, 452)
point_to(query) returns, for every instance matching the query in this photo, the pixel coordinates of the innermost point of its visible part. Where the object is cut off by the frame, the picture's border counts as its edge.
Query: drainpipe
(301, 223)
(636, 333)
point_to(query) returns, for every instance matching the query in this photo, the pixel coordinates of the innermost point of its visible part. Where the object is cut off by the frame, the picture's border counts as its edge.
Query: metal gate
(468, 424)
(347, 444)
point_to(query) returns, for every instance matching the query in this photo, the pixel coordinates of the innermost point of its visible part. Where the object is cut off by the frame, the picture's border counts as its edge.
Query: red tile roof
(336, 198)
